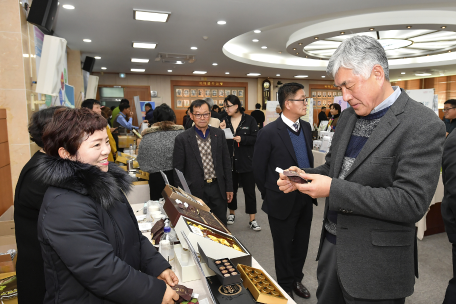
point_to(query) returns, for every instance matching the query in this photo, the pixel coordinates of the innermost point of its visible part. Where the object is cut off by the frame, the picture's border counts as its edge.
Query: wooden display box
(211, 248)
(256, 293)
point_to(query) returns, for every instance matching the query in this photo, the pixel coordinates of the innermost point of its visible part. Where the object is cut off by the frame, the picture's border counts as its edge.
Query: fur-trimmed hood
(103, 187)
(162, 126)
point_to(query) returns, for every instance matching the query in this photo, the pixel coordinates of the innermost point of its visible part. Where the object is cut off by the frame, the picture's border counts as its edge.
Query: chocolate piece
(275, 293)
(265, 283)
(271, 288)
(224, 271)
(183, 292)
(231, 269)
(227, 264)
(265, 290)
(227, 275)
(217, 262)
(258, 272)
(224, 261)
(234, 273)
(222, 268)
(261, 277)
(159, 226)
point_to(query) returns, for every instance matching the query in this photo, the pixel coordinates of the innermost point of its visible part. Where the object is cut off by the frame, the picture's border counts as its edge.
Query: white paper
(140, 217)
(279, 170)
(145, 226)
(228, 133)
(196, 230)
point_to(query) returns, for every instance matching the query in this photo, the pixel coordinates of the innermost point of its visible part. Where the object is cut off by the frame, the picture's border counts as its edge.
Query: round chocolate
(224, 261)
(222, 268)
(259, 286)
(217, 262)
(257, 272)
(252, 275)
(271, 288)
(265, 283)
(265, 290)
(261, 277)
(224, 271)
(231, 269)
(227, 264)
(234, 273)
(256, 281)
(227, 275)
(275, 293)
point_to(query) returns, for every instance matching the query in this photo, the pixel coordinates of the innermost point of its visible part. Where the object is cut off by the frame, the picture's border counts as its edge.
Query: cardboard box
(256, 293)
(232, 279)
(211, 248)
(189, 272)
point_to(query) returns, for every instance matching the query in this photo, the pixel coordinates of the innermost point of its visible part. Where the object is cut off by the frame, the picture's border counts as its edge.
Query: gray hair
(360, 54)
(210, 101)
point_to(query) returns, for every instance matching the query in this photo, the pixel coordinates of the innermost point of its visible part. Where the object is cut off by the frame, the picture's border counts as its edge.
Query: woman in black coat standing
(92, 247)
(244, 128)
(28, 197)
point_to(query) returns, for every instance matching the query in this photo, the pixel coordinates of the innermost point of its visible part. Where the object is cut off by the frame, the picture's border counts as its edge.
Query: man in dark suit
(379, 178)
(258, 115)
(322, 115)
(283, 143)
(201, 154)
(449, 206)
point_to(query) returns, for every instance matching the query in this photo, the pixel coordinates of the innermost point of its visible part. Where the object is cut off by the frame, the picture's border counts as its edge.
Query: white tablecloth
(319, 159)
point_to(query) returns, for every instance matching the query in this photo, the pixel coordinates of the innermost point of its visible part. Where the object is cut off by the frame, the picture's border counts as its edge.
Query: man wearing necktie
(283, 143)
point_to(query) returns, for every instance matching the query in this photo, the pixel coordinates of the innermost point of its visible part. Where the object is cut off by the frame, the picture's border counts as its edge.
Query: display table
(197, 285)
(319, 159)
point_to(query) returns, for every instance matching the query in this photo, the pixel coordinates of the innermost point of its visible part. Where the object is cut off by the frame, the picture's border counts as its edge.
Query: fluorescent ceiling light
(264, 47)
(255, 40)
(138, 70)
(257, 31)
(423, 74)
(399, 79)
(97, 57)
(143, 45)
(103, 68)
(227, 73)
(179, 62)
(253, 74)
(25, 55)
(151, 16)
(169, 71)
(301, 76)
(68, 6)
(403, 73)
(199, 72)
(139, 60)
(86, 40)
(278, 75)
(194, 48)
(215, 63)
(323, 76)
(221, 22)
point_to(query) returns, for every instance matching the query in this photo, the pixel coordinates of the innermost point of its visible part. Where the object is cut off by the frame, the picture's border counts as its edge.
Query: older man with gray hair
(378, 180)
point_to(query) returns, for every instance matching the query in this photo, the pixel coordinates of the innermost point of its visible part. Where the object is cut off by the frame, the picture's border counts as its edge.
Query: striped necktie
(296, 126)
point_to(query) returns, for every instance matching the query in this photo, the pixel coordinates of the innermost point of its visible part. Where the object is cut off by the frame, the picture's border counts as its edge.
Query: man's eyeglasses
(304, 101)
(446, 110)
(205, 115)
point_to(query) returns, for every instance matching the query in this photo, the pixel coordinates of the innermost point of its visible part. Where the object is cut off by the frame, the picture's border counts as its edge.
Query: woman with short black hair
(335, 110)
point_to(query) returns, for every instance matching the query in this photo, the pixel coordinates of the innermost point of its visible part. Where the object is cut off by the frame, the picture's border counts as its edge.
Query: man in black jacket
(149, 114)
(284, 142)
(201, 154)
(258, 115)
(322, 115)
(449, 206)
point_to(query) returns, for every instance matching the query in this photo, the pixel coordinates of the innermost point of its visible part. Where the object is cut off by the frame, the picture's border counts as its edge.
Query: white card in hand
(228, 133)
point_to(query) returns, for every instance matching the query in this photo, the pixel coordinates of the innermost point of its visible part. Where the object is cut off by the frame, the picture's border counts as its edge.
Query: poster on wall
(271, 113)
(424, 96)
(343, 104)
(69, 96)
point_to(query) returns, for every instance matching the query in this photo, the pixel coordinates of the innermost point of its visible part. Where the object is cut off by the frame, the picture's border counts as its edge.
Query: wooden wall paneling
(3, 135)
(6, 188)
(2, 114)
(4, 154)
(316, 108)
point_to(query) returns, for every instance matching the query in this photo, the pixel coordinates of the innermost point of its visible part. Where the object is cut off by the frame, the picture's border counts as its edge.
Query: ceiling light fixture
(144, 45)
(227, 73)
(194, 48)
(449, 51)
(215, 63)
(409, 26)
(255, 40)
(103, 68)
(399, 79)
(170, 71)
(179, 62)
(264, 47)
(139, 60)
(138, 70)
(68, 6)
(257, 31)
(301, 76)
(316, 38)
(97, 57)
(86, 40)
(299, 43)
(199, 72)
(151, 16)
(323, 76)
(371, 29)
(221, 22)
(277, 75)
(294, 49)
(443, 27)
(342, 33)
(297, 53)
(253, 74)
(422, 74)
(403, 73)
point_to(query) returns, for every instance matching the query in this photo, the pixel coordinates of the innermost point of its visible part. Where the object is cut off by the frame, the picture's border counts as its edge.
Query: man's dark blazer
(449, 181)
(387, 190)
(273, 148)
(187, 158)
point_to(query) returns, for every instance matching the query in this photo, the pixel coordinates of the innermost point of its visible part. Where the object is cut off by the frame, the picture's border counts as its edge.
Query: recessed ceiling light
(144, 45)
(299, 43)
(86, 40)
(264, 47)
(449, 51)
(316, 38)
(221, 22)
(97, 57)
(103, 68)
(323, 76)
(199, 72)
(443, 27)
(139, 60)
(138, 70)
(278, 75)
(409, 26)
(423, 74)
(294, 49)
(301, 76)
(399, 79)
(371, 29)
(255, 40)
(253, 74)
(342, 33)
(215, 63)
(170, 71)
(68, 6)
(257, 31)
(297, 53)
(227, 73)
(194, 48)
(403, 73)
(151, 16)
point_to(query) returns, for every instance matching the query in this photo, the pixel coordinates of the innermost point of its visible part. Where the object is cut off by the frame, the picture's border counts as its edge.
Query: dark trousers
(157, 183)
(450, 295)
(330, 289)
(248, 185)
(291, 241)
(213, 199)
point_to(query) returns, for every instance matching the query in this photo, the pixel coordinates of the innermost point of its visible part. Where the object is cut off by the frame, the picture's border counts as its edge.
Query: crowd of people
(78, 238)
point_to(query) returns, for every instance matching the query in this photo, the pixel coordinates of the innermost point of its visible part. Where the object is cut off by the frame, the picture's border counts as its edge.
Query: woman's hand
(223, 125)
(237, 138)
(170, 296)
(169, 277)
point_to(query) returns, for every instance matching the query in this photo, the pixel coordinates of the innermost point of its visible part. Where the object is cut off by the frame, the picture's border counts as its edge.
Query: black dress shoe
(290, 293)
(301, 290)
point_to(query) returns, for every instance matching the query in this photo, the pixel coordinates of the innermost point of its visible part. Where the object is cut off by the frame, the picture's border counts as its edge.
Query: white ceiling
(112, 29)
